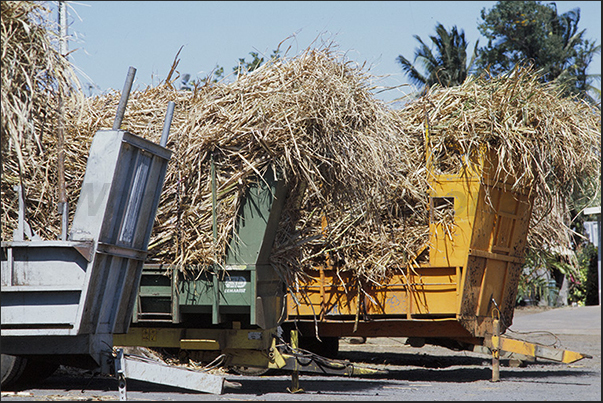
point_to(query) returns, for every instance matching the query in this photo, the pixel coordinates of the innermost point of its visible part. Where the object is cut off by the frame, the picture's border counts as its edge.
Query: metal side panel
(95, 190)
(495, 257)
(77, 293)
(42, 283)
(104, 294)
(257, 224)
(55, 266)
(123, 179)
(46, 309)
(455, 197)
(122, 278)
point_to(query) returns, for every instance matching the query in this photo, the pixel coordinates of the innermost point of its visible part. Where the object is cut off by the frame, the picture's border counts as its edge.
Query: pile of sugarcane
(343, 154)
(34, 77)
(544, 142)
(355, 168)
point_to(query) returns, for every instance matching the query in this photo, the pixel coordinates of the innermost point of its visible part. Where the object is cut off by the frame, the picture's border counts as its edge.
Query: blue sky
(106, 37)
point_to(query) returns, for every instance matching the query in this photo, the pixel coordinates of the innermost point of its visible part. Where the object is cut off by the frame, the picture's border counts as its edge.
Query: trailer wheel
(249, 371)
(21, 371)
(328, 347)
(37, 370)
(12, 369)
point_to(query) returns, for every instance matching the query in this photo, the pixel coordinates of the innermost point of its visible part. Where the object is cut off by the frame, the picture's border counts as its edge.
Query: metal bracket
(23, 228)
(298, 360)
(535, 350)
(120, 368)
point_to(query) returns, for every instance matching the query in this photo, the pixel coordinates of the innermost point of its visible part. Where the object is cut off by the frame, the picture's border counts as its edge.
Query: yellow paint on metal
(196, 339)
(449, 244)
(519, 347)
(240, 347)
(277, 360)
(149, 337)
(572, 356)
(199, 344)
(495, 342)
(495, 350)
(474, 259)
(535, 350)
(365, 371)
(246, 358)
(433, 290)
(295, 374)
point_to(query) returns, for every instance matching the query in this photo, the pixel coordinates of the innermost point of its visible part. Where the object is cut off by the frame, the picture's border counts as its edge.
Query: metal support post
(215, 312)
(120, 367)
(23, 230)
(123, 101)
(167, 123)
(295, 374)
(63, 204)
(496, 350)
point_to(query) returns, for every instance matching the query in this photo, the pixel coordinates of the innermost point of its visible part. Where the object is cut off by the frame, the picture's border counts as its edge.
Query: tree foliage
(447, 66)
(242, 67)
(245, 66)
(530, 32)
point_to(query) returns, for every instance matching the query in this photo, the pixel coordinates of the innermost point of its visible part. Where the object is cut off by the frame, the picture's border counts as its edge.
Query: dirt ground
(426, 373)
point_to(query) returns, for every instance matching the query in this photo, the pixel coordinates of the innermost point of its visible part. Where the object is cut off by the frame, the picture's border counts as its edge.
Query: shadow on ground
(403, 369)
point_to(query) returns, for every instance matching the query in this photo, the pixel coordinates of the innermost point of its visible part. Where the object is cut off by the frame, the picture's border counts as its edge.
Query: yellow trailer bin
(475, 257)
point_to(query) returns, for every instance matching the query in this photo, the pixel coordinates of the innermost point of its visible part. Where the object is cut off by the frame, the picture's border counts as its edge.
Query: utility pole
(63, 204)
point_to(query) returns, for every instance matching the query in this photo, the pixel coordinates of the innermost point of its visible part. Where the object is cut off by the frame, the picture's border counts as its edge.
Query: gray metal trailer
(63, 300)
(72, 301)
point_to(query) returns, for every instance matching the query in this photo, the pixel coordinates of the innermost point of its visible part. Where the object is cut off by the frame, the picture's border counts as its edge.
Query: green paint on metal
(249, 284)
(257, 221)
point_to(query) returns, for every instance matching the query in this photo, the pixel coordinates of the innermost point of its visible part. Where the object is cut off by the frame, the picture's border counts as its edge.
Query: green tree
(256, 61)
(217, 73)
(214, 76)
(529, 32)
(446, 66)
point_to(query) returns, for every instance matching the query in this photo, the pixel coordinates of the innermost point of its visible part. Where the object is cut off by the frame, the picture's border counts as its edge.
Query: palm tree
(448, 66)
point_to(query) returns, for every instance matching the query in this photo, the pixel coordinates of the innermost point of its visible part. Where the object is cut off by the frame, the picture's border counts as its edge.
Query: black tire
(12, 370)
(36, 371)
(328, 347)
(250, 371)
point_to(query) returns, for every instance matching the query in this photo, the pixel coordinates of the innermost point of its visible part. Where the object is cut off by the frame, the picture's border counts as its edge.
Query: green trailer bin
(247, 289)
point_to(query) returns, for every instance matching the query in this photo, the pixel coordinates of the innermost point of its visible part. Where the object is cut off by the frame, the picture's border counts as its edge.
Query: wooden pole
(63, 205)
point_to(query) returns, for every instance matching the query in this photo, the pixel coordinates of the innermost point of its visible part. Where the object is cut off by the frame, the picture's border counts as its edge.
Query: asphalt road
(427, 373)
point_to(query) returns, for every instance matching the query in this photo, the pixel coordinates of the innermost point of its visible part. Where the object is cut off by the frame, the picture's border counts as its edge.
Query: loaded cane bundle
(355, 167)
